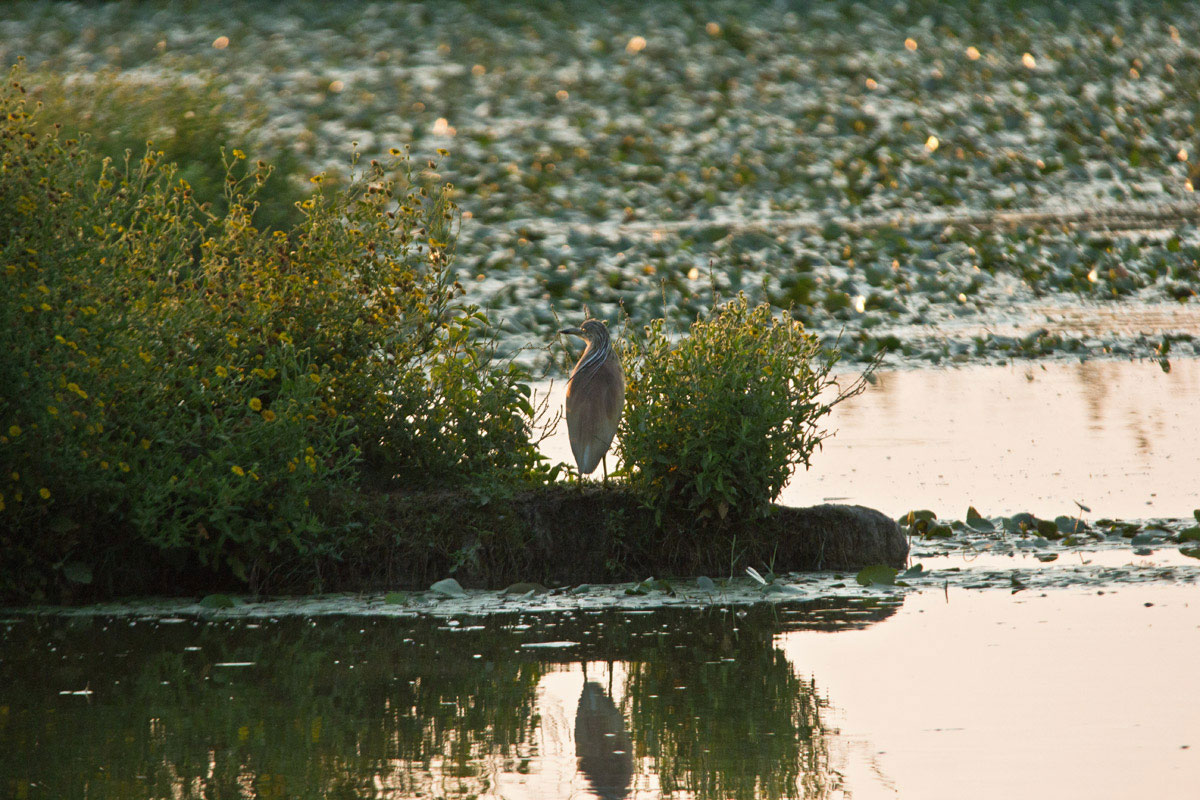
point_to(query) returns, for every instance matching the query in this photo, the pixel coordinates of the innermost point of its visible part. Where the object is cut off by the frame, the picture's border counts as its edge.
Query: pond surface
(1120, 437)
(940, 692)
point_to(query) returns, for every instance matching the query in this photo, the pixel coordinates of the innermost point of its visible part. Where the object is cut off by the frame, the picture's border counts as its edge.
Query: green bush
(716, 421)
(189, 120)
(180, 381)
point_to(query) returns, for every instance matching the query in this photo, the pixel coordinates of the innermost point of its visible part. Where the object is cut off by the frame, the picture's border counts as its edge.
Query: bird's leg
(604, 461)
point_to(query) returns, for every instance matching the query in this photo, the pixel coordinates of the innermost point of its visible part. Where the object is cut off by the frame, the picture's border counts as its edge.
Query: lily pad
(1070, 524)
(524, 587)
(1019, 523)
(705, 584)
(877, 574)
(977, 521)
(396, 598)
(448, 587)
(217, 601)
(1190, 552)
(1047, 528)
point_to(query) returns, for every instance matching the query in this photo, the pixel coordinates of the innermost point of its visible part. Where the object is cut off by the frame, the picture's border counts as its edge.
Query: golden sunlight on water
(989, 695)
(1123, 438)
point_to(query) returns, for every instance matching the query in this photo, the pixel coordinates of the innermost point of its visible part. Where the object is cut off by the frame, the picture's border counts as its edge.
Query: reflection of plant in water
(730, 720)
(331, 710)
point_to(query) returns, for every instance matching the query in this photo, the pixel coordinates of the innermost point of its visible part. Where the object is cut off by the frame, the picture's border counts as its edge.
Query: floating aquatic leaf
(1047, 528)
(705, 584)
(525, 588)
(1046, 558)
(448, 587)
(1019, 523)
(1191, 534)
(877, 574)
(1143, 551)
(1190, 552)
(913, 517)
(396, 598)
(1070, 524)
(915, 571)
(977, 521)
(217, 601)
(940, 531)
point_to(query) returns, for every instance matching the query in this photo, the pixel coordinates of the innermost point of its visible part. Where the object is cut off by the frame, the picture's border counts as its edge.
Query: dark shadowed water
(943, 693)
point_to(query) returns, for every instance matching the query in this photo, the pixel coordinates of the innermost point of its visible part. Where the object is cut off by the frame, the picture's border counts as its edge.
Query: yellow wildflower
(255, 404)
(268, 415)
(236, 470)
(44, 492)
(221, 372)
(14, 431)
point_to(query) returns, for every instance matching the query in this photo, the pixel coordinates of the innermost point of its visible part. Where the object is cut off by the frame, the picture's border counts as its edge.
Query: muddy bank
(555, 536)
(561, 536)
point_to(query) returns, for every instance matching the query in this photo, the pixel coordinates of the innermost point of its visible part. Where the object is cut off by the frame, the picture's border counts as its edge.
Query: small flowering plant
(180, 379)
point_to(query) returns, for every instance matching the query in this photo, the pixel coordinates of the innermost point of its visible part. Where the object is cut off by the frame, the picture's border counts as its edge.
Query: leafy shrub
(716, 421)
(179, 380)
(188, 120)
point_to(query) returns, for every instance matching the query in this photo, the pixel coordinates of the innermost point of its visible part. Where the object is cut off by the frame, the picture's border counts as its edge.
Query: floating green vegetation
(1014, 156)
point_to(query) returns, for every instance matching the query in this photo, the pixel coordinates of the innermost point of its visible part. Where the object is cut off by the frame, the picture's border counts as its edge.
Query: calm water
(1121, 437)
(1080, 685)
(938, 694)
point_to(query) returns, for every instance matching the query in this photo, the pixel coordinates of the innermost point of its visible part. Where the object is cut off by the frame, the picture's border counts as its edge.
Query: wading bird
(595, 397)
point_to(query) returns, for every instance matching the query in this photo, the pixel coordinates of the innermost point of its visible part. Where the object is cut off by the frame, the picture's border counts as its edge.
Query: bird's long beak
(572, 331)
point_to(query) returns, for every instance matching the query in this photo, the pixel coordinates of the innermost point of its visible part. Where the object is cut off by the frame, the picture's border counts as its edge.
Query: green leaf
(1191, 534)
(1046, 558)
(1047, 528)
(915, 571)
(977, 521)
(1070, 524)
(77, 572)
(1190, 552)
(525, 588)
(448, 588)
(940, 531)
(705, 584)
(1019, 523)
(877, 574)
(217, 601)
(396, 599)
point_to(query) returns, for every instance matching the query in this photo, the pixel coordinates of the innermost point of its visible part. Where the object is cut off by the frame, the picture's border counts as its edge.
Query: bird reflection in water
(602, 743)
